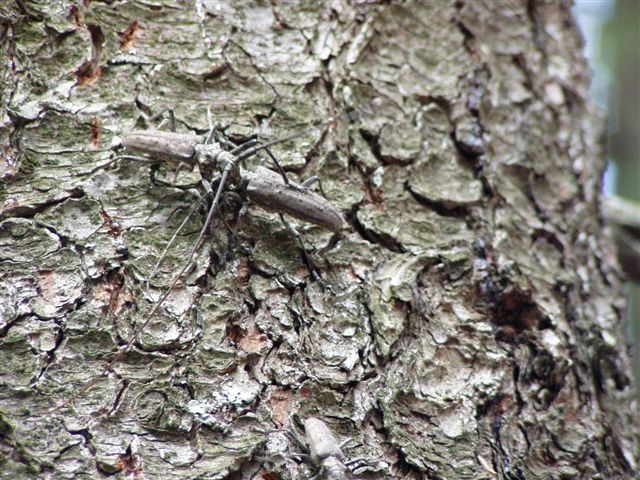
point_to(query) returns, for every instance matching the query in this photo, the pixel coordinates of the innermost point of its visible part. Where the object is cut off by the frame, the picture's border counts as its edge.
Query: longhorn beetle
(324, 451)
(217, 161)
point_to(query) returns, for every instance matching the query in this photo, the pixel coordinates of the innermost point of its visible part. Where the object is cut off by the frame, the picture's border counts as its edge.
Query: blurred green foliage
(612, 35)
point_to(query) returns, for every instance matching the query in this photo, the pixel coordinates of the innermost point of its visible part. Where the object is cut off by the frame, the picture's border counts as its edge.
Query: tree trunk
(467, 324)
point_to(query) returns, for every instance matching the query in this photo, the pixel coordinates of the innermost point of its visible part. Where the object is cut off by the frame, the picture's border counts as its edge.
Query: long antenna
(232, 159)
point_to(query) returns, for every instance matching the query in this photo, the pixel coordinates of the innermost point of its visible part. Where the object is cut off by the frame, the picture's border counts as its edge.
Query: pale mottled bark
(469, 324)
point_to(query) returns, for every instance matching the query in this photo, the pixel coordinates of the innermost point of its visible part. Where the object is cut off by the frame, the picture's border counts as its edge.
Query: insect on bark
(264, 187)
(218, 161)
(325, 451)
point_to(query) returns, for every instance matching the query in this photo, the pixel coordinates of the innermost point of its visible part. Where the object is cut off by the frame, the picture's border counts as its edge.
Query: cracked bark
(470, 324)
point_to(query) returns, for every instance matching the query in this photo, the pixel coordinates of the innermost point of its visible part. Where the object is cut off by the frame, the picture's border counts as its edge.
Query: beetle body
(263, 186)
(324, 450)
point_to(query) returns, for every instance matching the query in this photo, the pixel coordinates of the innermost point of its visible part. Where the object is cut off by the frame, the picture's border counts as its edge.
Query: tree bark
(468, 324)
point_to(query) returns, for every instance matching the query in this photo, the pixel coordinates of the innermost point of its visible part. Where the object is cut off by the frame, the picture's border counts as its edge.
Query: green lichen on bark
(469, 300)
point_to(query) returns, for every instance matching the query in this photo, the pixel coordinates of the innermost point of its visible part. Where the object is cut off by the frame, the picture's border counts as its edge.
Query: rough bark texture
(469, 323)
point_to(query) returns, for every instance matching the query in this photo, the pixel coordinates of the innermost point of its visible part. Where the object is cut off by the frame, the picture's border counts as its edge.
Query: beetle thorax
(208, 156)
(334, 469)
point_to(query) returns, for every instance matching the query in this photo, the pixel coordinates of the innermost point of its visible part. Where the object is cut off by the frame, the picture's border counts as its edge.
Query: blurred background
(611, 31)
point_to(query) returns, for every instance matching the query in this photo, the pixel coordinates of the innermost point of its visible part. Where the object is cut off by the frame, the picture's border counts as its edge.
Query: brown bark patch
(112, 227)
(252, 341)
(87, 73)
(129, 36)
(243, 272)
(280, 402)
(46, 282)
(95, 132)
(131, 465)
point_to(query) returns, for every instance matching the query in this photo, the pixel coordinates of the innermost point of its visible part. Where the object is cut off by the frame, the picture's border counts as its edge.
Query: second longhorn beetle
(219, 159)
(324, 451)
